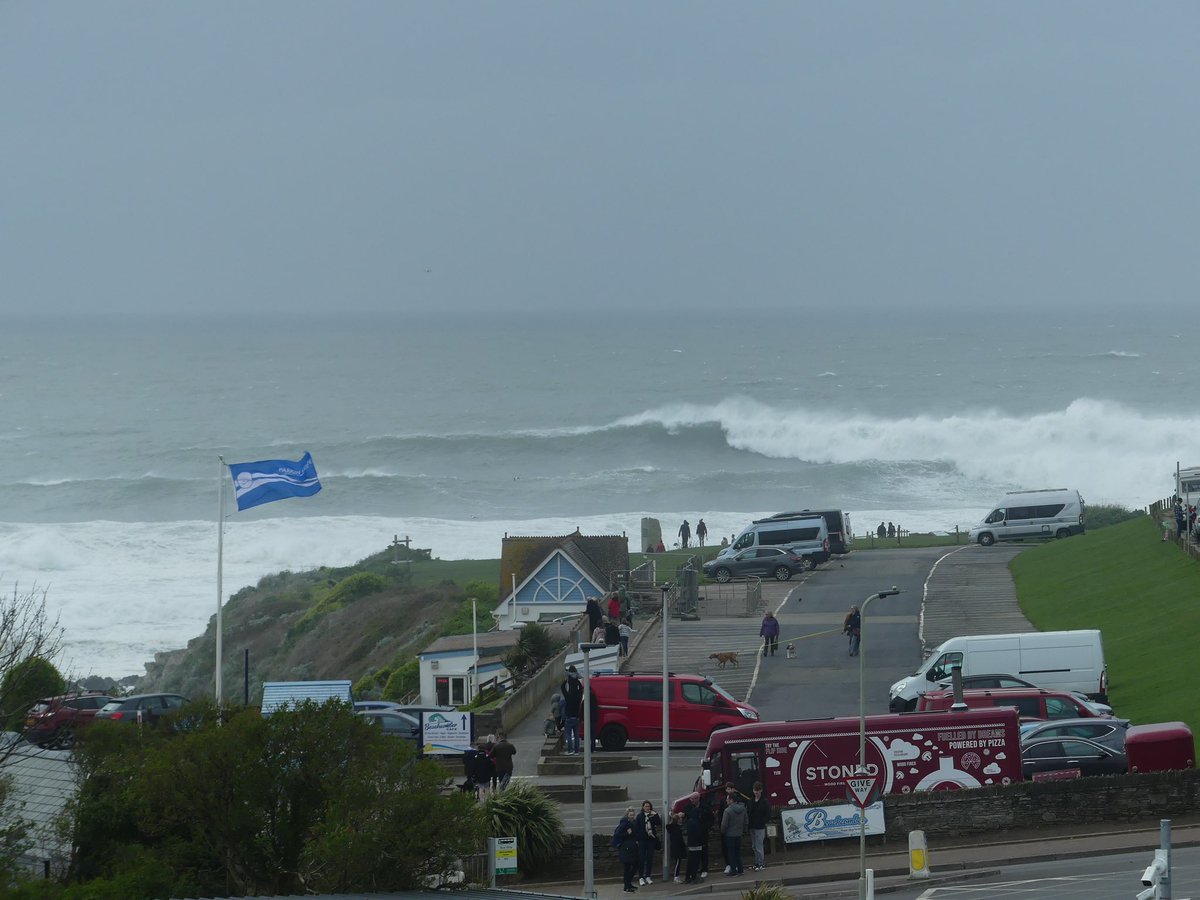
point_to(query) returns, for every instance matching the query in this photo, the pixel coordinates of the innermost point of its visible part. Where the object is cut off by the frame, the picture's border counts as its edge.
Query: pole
(666, 736)
(246, 677)
(474, 650)
(220, 564)
(862, 737)
(589, 879)
(1164, 843)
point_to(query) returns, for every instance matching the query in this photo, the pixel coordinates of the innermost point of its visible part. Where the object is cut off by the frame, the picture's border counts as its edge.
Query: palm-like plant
(767, 890)
(524, 812)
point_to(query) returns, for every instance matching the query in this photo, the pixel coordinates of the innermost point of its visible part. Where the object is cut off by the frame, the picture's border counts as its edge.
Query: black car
(394, 722)
(776, 562)
(1069, 757)
(145, 709)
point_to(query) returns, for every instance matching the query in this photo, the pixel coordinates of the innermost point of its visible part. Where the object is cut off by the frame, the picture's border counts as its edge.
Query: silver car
(775, 562)
(1108, 733)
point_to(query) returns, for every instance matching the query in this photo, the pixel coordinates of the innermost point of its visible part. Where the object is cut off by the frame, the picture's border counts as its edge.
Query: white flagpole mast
(220, 562)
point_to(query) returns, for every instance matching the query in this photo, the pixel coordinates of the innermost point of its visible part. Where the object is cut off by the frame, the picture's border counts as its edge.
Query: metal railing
(734, 598)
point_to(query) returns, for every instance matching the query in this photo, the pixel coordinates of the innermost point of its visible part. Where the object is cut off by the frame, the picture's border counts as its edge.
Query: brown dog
(724, 659)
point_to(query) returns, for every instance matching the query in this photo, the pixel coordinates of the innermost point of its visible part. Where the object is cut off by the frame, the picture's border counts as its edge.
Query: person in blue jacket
(624, 841)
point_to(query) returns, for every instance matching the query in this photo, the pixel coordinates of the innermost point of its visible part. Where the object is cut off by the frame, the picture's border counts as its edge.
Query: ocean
(456, 430)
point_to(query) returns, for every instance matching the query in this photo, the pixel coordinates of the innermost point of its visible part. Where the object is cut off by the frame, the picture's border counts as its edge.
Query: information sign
(446, 733)
(506, 856)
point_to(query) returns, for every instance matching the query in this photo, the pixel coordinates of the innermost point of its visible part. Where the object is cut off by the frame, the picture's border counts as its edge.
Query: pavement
(831, 868)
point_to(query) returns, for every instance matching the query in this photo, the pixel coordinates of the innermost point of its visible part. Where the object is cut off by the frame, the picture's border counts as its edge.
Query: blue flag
(256, 483)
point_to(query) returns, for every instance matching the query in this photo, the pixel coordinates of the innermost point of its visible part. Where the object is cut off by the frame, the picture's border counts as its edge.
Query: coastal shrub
(767, 890)
(341, 593)
(533, 648)
(522, 811)
(405, 679)
(483, 591)
(1105, 514)
(29, 680)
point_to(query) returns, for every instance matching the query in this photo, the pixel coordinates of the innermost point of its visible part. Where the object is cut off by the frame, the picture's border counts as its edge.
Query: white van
(1022, 515)
(1054, 660)
(806, 535)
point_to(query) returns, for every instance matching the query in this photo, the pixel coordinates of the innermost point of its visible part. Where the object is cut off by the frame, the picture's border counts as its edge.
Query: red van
(807, 761)
(628, 707)
(1031, 703)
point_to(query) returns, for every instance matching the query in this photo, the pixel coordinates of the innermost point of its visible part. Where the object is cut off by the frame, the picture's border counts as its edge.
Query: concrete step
(602, 763)
(573, 793)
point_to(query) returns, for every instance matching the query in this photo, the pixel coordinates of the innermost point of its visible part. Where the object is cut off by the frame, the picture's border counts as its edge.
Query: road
(823, 678)
(1114, 877)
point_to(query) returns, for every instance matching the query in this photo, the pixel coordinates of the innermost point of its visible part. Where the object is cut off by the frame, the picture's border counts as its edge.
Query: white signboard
(819, 823)
(446, 733)
(505, 855)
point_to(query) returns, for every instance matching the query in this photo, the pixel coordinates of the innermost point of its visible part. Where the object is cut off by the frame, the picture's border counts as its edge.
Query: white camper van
(1023, 515)
(1055, 660)
(805, 534)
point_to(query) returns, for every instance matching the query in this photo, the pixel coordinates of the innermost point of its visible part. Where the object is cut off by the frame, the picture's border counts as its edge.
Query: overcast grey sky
(288, 156)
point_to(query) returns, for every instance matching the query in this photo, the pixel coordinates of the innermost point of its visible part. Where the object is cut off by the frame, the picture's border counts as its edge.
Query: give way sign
(861, 787)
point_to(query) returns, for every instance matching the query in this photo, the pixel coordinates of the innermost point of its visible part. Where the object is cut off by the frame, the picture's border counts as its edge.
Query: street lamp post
(666, 736)
(862, 738)
(589, 869)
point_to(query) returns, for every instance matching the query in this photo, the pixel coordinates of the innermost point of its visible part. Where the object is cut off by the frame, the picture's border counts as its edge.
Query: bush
(1103, 515)
(767, 890)
(28, 681)
(524, 812)
(534, 647)
(404, 679)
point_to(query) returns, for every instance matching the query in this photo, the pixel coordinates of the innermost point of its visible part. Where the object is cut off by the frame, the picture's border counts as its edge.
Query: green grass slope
(1143, 594)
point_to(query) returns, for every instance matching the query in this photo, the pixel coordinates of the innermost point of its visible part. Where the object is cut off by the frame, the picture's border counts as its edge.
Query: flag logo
(256, 483)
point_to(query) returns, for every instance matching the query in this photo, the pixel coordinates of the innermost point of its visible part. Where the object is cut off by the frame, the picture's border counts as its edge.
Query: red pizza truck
(807, 761)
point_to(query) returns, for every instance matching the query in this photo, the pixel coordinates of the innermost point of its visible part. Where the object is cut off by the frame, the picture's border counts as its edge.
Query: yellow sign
(505, 856)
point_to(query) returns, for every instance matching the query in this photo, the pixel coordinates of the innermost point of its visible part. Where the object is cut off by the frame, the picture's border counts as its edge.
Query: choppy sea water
(456, 431)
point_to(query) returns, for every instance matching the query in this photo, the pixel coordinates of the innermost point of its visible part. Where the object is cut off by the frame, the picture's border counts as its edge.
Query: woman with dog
(769, 632)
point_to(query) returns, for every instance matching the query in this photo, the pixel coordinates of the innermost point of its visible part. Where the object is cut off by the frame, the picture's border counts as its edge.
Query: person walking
(677, 844)
(624, 841)
(503, 752)
(572, 706)
(852, 628)
(769, 632)
(649, 835)
(624, 633)
(685, 534)
(1180, 518)
(614, 605)
(612, 633)
(484, 769)
(758, 815)
(695, 835)
(701, 532)
(594, 613)
(733, 826)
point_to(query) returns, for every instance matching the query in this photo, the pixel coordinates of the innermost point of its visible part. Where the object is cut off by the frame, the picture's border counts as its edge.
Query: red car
(53, 722)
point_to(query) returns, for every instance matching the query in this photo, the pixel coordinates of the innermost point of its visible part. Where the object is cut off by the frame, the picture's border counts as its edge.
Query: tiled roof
(597, 556)
(487, 640)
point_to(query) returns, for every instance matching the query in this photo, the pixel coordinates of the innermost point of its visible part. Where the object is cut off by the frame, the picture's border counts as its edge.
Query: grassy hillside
(1144, 595)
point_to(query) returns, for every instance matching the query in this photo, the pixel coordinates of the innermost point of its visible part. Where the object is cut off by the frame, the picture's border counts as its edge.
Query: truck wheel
(1062, 533)
(987, 539)
(782, 573)
(723, 575)
(613, 737)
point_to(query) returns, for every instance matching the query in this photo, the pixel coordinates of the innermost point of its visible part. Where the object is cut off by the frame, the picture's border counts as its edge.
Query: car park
(773, 562)
(1070, 758)
(143, 709)
(628, 707)
(54, 722)
(1107, 732)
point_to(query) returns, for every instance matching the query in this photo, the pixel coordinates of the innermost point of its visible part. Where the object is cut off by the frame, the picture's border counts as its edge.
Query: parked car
(394, 722)
(1108, 733)
(1031, 703)
(1072, 758)
(54, 722)
(776, 562)
(628, 707)
(146, 709)
(1012, 681)
(365, 705)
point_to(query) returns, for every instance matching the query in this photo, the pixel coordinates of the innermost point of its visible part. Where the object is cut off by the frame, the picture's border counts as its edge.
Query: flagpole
(220, 563)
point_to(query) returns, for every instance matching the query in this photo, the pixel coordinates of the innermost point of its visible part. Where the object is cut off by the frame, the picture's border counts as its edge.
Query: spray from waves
(1110, 451)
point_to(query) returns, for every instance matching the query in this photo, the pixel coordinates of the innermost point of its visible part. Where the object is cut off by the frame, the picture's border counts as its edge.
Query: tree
(26, 634)
(25, 683)
(314, 798)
